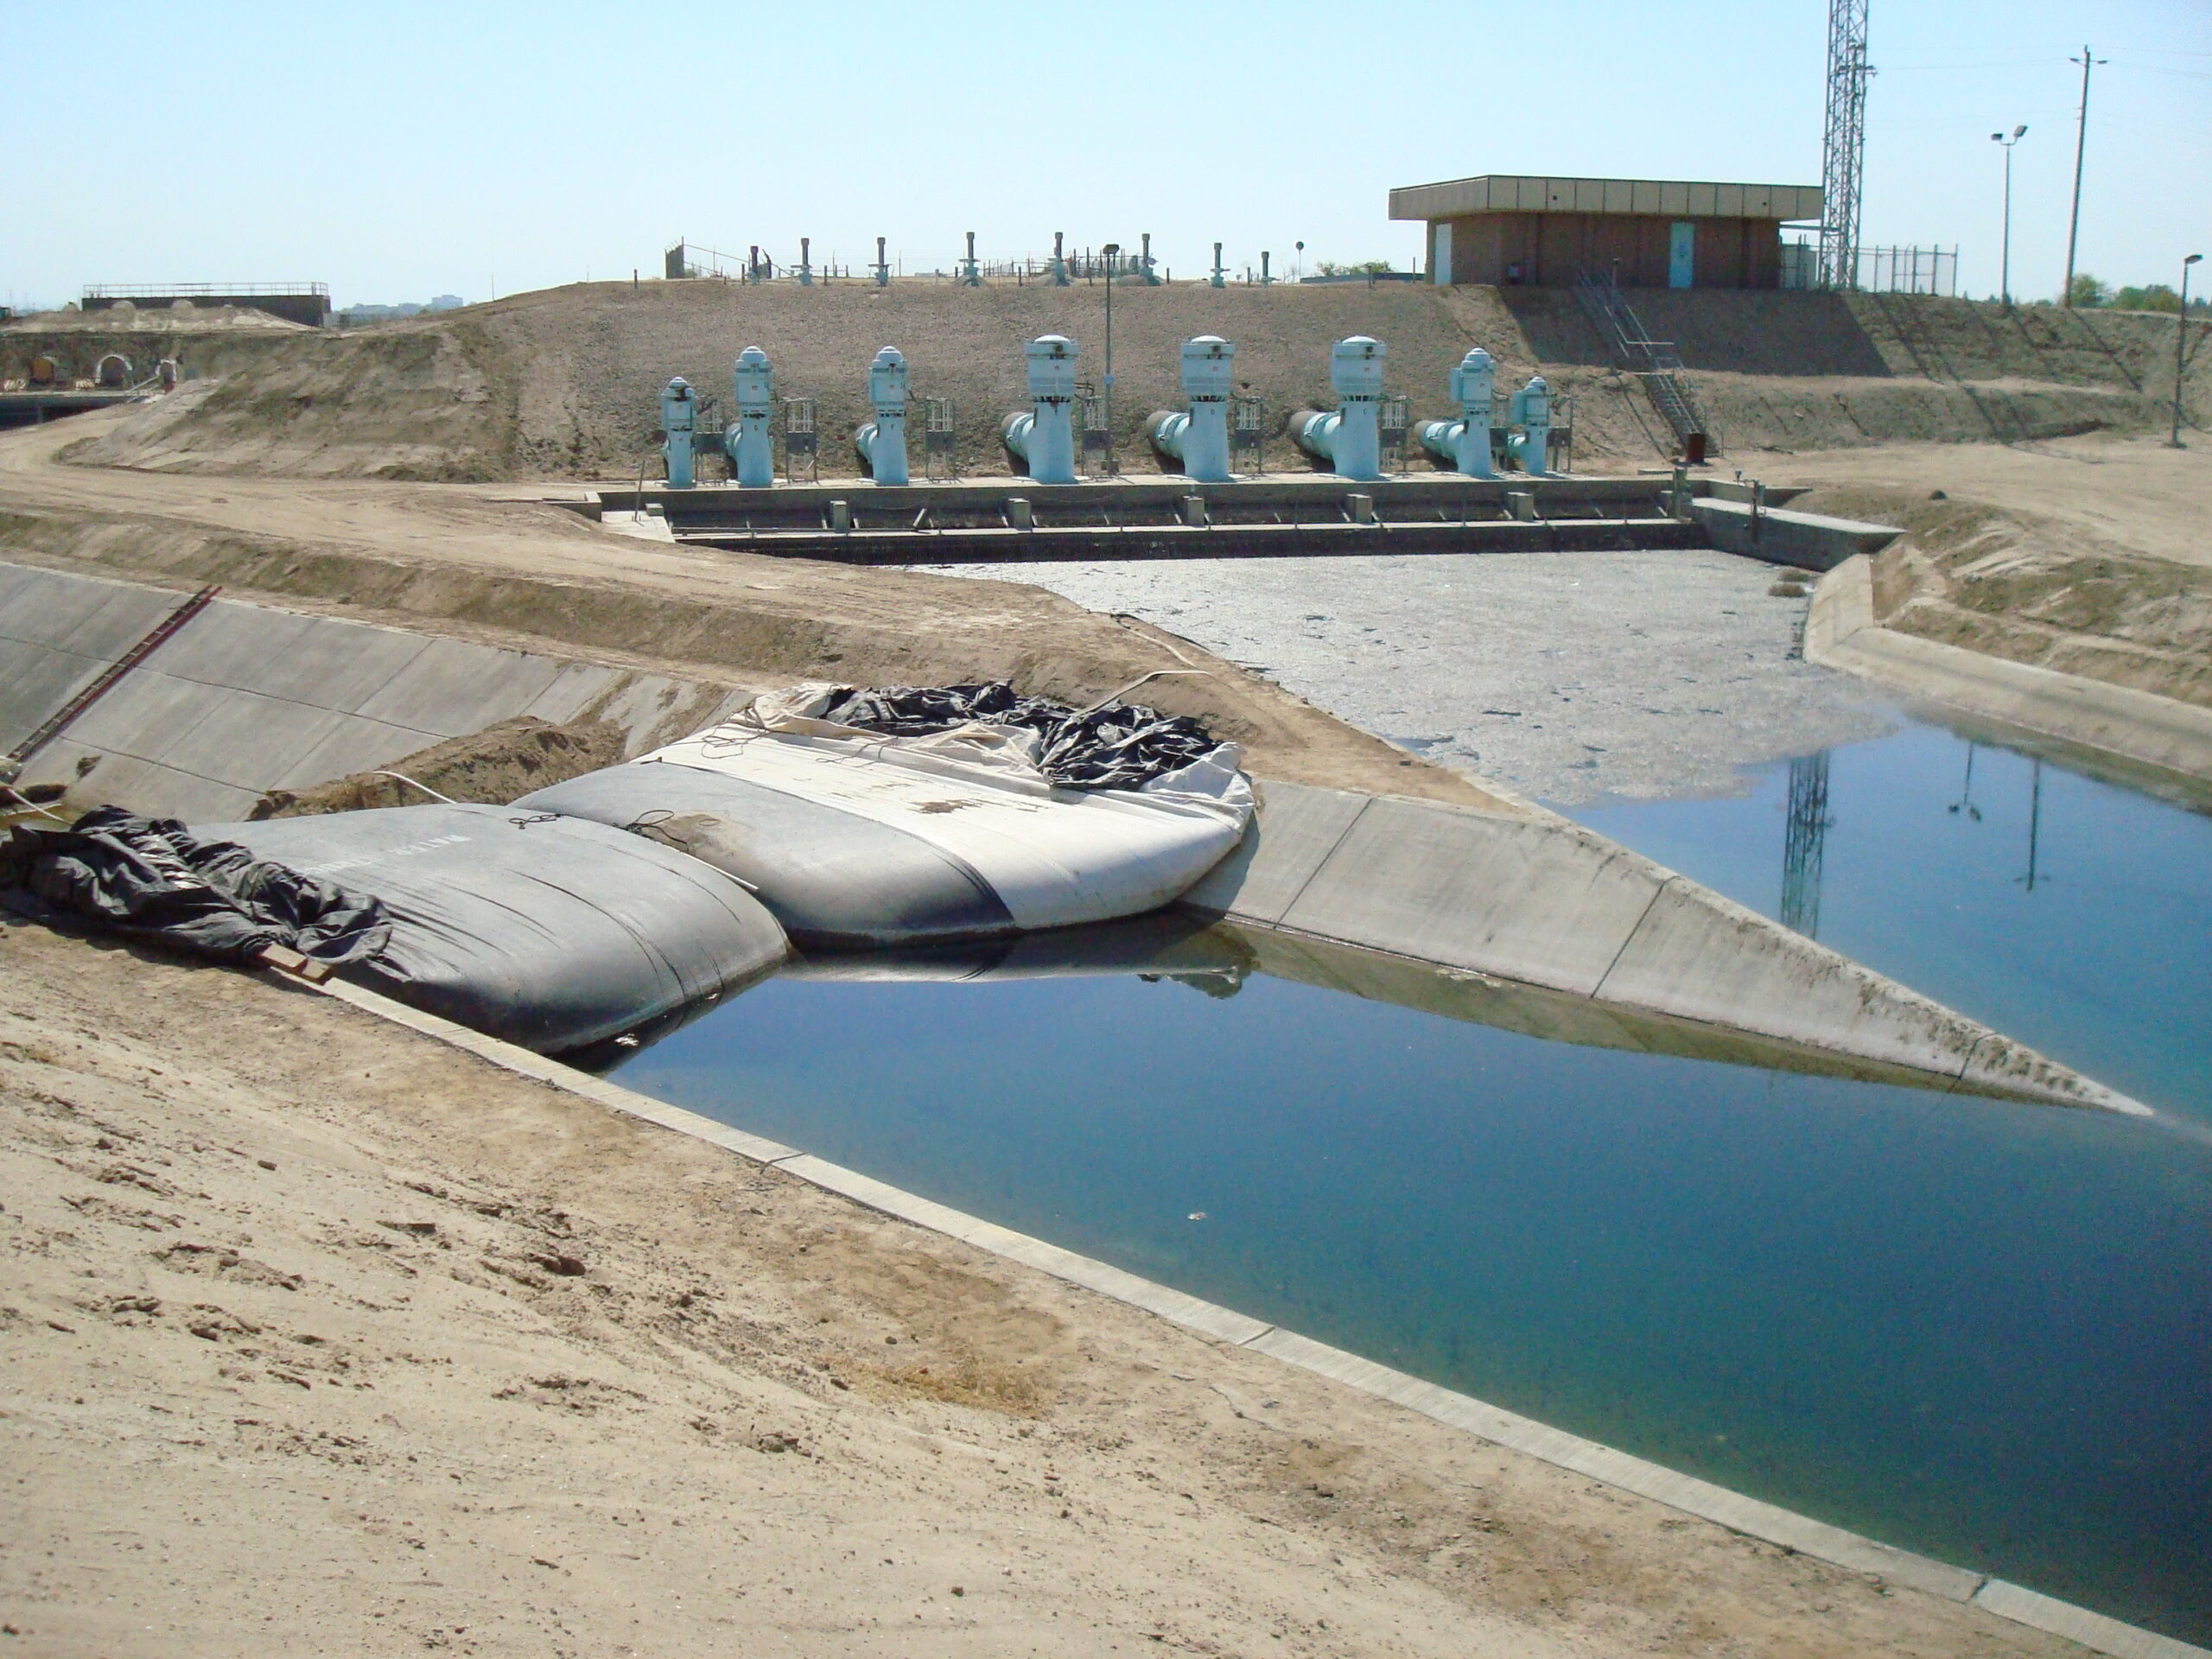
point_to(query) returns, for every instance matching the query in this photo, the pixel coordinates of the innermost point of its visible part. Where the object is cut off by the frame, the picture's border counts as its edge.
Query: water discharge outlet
(1199, 439)
(1348, 437)
(750, 442)
(882, 442)
(1464, 445)
(679, 421)
(1041, 441)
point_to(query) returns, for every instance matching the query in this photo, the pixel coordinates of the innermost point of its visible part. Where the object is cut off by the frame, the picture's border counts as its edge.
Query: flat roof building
(1508, 229)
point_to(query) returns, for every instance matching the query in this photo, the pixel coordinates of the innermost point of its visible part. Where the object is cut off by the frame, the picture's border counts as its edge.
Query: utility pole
(2004, 282)
(2181, 347)
(2081, 148)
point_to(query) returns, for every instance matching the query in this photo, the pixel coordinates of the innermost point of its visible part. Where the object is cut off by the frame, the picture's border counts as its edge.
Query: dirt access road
(322, 1337)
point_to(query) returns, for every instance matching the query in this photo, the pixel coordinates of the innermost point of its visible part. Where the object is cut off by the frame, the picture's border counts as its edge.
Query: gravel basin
(1567, 678)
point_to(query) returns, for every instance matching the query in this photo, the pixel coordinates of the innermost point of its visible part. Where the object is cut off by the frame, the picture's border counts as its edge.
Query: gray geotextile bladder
(832, 878)
(550, 931)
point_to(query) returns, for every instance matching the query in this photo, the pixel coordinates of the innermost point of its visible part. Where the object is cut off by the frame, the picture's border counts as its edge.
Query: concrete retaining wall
(1549, 903)
(245, 698)
(2137, 726)
(1811, 541)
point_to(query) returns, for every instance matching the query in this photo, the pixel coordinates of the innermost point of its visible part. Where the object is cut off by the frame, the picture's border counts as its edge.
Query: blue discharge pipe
(1199, 440)
(1464, 445)
(750, 442)
(1040, 440)
(679, 419)
(1531, 410)
(882, 441)
(1348, 437)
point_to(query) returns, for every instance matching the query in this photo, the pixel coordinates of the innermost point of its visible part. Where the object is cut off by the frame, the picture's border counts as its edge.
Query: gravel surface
(1569, 677)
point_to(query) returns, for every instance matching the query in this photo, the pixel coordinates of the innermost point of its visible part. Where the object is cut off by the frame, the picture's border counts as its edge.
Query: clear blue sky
(402, 151)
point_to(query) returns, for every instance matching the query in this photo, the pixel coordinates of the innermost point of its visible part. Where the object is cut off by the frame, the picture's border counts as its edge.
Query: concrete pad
(454, 688)
(2092, 1631)
(1538, 900)
(249, 741)
(1296, 830)
(1734, 1511)
(226, 643)
(575, 689)
(146, 714)
(35, 682)
(354, 744)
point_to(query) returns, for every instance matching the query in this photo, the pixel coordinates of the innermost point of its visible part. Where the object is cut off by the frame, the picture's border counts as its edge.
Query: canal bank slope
(330, 1333)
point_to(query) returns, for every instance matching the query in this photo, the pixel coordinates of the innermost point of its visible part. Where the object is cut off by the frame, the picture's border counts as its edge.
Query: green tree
(1364, 268)
(2156, 297)
(2087, 290)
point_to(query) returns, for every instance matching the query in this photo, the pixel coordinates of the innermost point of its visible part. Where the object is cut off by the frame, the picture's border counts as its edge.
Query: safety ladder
(11, 763)
(1651, 361)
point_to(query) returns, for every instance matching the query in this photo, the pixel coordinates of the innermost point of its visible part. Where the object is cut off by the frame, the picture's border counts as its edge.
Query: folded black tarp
(1121, 746)
(548, 931)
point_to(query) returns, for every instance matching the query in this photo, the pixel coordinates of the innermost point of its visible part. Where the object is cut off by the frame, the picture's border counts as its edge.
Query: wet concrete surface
(1569, 677)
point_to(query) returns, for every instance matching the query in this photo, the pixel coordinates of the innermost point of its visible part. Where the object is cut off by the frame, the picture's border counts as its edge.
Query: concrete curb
(1546, 903)
(1840, 631)
(1734, 1511)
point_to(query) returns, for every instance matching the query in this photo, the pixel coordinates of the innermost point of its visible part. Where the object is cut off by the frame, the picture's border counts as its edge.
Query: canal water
(1977, 1329)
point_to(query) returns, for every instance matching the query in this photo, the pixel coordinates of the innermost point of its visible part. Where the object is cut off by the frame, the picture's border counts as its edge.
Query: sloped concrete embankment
(2140, 729)
(248, 699)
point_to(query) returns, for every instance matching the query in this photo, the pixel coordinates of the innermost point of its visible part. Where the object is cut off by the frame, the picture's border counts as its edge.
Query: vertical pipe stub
(1463, 444)
(882, 265)
(1199, 438)
(1349, 437)
(882, 441)
(1531, 410)
(679, 420)
(1042, 439)
(751, 443)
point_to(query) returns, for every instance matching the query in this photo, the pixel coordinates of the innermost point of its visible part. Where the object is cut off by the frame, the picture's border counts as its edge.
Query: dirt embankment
(322, 1337)
(565, 382)
(502, 763)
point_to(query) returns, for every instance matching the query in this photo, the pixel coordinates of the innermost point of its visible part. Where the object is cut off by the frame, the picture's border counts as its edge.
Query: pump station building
(1507, 230)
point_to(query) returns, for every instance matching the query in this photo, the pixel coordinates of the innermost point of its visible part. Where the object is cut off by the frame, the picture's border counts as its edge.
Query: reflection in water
(1803, 843)
(2035, 824)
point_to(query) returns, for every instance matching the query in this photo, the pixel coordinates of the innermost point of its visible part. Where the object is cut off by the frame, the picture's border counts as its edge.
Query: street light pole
(2019, 132)
(2180, 345)
(1112, 250)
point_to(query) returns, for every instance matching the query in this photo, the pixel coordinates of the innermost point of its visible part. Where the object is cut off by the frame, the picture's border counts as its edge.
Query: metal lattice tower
(1843, 145)
(1804, 842)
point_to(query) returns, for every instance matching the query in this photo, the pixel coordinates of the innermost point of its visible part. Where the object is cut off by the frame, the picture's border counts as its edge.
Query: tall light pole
(2081, 148)
(2019, 132)
(2181, 345)
(1112, 250)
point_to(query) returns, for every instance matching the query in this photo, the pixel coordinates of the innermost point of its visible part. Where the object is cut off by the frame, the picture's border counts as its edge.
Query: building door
(1439, 254)
(1681, 254)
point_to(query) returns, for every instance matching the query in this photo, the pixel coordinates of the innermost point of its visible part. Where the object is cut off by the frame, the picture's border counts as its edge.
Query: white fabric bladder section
(1055, 856)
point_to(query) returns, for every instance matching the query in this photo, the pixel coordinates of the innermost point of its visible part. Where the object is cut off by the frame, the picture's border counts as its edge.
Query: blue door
(1681, 254)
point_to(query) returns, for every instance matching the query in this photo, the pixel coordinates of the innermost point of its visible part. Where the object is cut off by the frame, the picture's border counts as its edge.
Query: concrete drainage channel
(245, 698)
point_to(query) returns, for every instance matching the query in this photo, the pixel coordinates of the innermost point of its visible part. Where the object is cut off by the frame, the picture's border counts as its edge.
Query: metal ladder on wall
(11, 763)
(1651, 361)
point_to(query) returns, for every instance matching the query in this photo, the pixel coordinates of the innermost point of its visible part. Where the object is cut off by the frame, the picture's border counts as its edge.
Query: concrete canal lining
(1735, 1511)
(246, 698)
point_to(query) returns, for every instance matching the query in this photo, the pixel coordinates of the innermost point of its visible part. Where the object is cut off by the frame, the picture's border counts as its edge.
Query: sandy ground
(1567, 678)
(2129, 493)
(321, 1338)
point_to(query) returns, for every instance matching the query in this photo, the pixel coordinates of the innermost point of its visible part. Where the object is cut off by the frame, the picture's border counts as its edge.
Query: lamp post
(1112, 250)
(2019, 132)
(2180, 348)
